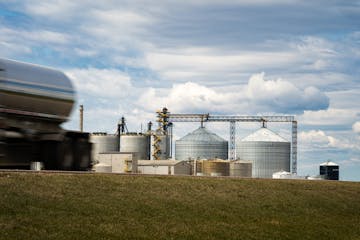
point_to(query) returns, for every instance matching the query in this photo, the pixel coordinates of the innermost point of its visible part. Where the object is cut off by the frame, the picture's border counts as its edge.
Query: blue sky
(223, 57)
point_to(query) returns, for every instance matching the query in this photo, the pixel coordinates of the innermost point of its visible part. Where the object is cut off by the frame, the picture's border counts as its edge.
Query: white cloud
(183, 60)
(319, 139)
(283, 95)
(51, 9)
(331, 116)
(354, 161)
(258, 95)
(356, 127)
(34, 36)
(101, 83)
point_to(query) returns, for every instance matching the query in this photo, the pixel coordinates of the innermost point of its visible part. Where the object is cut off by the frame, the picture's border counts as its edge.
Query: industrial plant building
(201, 152)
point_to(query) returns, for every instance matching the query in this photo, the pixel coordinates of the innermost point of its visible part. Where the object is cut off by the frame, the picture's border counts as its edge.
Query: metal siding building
(118, 162)
(201, 144)
(164, 167)
(268, 152)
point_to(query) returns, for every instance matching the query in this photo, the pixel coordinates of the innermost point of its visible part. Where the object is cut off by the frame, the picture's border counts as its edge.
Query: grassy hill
(101, 206)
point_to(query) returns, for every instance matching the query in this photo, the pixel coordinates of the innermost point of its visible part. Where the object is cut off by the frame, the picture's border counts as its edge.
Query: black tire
(82, 155)
(65, 155)
(49, 154)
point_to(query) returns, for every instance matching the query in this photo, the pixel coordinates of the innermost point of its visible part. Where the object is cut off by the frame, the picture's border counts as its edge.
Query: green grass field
(101, 206)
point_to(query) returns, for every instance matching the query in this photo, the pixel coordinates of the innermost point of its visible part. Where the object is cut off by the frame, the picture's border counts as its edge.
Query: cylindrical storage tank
(102, 143)
(201, 144)
(215, 168)
(267, 151)
(136, 143)
(329, 170)
(196, 167)
(241, 168)
(35, 89)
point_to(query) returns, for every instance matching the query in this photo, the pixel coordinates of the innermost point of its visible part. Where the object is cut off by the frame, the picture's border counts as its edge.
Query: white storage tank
(201, 144)
(268, 152)
(137, 143)
(103, 142)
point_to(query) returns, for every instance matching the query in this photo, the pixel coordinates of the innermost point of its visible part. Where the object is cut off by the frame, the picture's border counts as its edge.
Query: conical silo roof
(202, 135)
(202, 144)
(264, 135)
(329, 163)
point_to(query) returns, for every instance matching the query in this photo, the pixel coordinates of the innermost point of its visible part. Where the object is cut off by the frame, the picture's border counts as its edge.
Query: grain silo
(136, 143)
(329, 170)
(201, 144)
(268, 152)
(103, 142)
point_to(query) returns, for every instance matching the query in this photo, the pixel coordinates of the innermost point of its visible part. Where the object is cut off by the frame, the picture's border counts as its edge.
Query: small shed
(329, 170)
(120, 162)
(286, 175)
(164, 167)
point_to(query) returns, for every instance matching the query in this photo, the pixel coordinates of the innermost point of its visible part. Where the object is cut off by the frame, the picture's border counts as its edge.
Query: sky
(239, 57)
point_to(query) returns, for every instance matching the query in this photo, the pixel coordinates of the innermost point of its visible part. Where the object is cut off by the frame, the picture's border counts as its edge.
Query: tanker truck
(34, 102)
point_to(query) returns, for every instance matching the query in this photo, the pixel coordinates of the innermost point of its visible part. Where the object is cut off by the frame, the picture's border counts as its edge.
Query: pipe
(81, 118)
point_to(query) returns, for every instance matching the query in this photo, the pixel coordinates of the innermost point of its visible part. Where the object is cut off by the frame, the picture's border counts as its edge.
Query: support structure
(294, 147)
(232, 154)
(233, 119)
(162, 130)
(81, 118)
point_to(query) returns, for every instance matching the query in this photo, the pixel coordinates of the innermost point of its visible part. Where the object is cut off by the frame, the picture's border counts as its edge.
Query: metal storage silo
(136, 142)
(103, 142)
(268, 152)
(215, 167)
(202, 144)
(329, 170)
(241, 168)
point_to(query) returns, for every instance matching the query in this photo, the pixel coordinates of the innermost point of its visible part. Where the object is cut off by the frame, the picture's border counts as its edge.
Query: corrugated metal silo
(268, 152)
(241, 168)
(136, 142)
(215, 167)
(103, 142)
(202, 144)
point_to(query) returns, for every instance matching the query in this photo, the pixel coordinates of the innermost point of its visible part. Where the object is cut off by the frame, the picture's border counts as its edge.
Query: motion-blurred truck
(34, 102)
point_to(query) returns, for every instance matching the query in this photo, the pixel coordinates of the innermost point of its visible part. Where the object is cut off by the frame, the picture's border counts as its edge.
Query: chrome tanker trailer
(34, 102)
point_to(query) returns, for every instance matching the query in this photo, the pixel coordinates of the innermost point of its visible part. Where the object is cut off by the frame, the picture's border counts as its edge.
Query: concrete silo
(102, 143)
(268, 152)
(201, 144)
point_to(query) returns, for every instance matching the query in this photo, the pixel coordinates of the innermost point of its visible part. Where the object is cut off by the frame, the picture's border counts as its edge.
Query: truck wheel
(82, 155)
(48, 154)
(65, 155)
